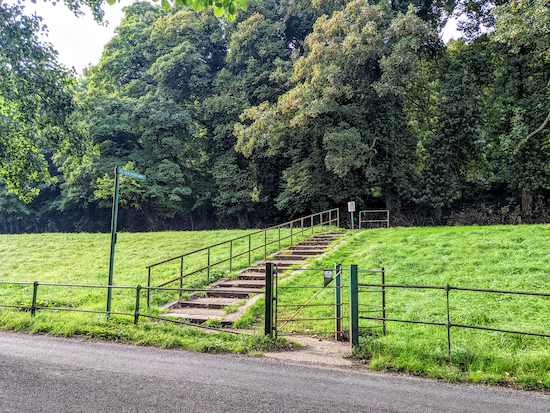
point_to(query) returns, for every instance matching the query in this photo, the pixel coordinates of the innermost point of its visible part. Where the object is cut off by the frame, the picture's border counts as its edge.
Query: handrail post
(208, 268)
(136, 313)
(302, 224)
(279, 237)
(268, 326)
(312, 224)
(291, 232)
(34, 293)
(338, 217)
(181, 276)
(231, 256)
(353, 306)
(338, 300)
(265, 244)
(148, 286)
(249, 248)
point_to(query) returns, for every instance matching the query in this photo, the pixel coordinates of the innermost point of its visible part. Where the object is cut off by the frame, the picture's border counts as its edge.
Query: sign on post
(327, 277)
(351, 209)
(118, 171)
(131, 174)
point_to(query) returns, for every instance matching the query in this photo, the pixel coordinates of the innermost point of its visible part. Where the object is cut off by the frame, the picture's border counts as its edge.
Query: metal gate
(311, 301)
(367, 302)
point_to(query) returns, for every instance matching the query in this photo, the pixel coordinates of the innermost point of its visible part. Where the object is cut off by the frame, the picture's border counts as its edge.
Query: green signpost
(118, 171)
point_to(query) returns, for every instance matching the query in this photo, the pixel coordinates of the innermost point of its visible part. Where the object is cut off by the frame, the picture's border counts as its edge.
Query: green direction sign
(132, 174)
(114, 218)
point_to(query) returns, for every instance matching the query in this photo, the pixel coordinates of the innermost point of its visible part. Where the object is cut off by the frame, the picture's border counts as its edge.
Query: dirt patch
(316, 351)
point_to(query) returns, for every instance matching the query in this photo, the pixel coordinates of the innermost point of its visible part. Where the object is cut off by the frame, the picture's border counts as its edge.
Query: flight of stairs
(228, 292)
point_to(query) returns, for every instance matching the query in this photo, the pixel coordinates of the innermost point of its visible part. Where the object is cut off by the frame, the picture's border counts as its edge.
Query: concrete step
(290, 257)
(306, 251)
(196, 314)
(252, 276)
(304, 247)
(319, 244)
(210, 302)
(260, 269)
(231, 292)
(259, 284)
(286, 264)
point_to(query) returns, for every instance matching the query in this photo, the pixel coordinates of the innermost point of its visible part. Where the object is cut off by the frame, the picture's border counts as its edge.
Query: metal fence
(381, 216)
(136, 314)
(317, 310)
(354, 291)
(270, 240)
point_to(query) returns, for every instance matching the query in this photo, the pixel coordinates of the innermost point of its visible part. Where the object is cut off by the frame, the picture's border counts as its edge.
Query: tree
(341, 127)
(36, 103)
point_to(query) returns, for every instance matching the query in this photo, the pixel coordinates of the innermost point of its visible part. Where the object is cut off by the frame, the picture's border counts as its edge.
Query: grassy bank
(84, 259)
(496, 257)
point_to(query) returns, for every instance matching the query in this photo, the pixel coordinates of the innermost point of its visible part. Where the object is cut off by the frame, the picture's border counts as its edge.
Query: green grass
(146, 332)
(84, 259)
(499, 257)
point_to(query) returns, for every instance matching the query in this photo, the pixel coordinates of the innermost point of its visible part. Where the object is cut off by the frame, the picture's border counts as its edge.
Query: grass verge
(146, 333)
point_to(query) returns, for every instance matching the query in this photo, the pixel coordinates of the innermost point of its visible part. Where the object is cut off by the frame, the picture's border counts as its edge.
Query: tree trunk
(438, 215)
(526, 202)
(242, 219)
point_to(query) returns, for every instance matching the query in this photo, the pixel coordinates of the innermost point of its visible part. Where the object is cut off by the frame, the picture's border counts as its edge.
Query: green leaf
(242, 5)
(218, 12)
(111, 2)
(198, 5)
(219, 5)
(232, 8)
(231, 17)
(166, 5)
(180, 2)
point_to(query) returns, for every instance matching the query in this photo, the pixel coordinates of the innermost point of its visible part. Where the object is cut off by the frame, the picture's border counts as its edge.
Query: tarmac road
(48, 374)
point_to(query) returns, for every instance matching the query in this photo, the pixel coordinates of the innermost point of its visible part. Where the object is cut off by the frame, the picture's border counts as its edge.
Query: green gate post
(34, 293)
(268, 328)
(136, 313)
(353, 306)
(338, 300)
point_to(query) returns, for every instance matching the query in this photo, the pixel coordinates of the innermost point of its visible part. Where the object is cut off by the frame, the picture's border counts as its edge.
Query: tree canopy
(289, 108)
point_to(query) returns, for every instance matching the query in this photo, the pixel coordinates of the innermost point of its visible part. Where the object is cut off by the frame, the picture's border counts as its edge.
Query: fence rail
(378, 221)
(448, 324)
(136, 314)
(299, 226)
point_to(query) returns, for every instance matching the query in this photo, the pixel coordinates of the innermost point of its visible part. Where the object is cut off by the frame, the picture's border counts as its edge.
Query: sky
(80, 40)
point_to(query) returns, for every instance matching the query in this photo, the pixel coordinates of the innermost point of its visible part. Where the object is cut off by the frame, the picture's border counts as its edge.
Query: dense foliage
(293, 108)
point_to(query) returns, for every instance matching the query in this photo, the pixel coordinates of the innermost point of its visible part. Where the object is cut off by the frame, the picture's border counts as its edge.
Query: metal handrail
(333, 218)
(374, 211)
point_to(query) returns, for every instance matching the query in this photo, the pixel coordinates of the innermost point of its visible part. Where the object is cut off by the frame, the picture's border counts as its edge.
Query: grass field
(499, 257)
(84, 259)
